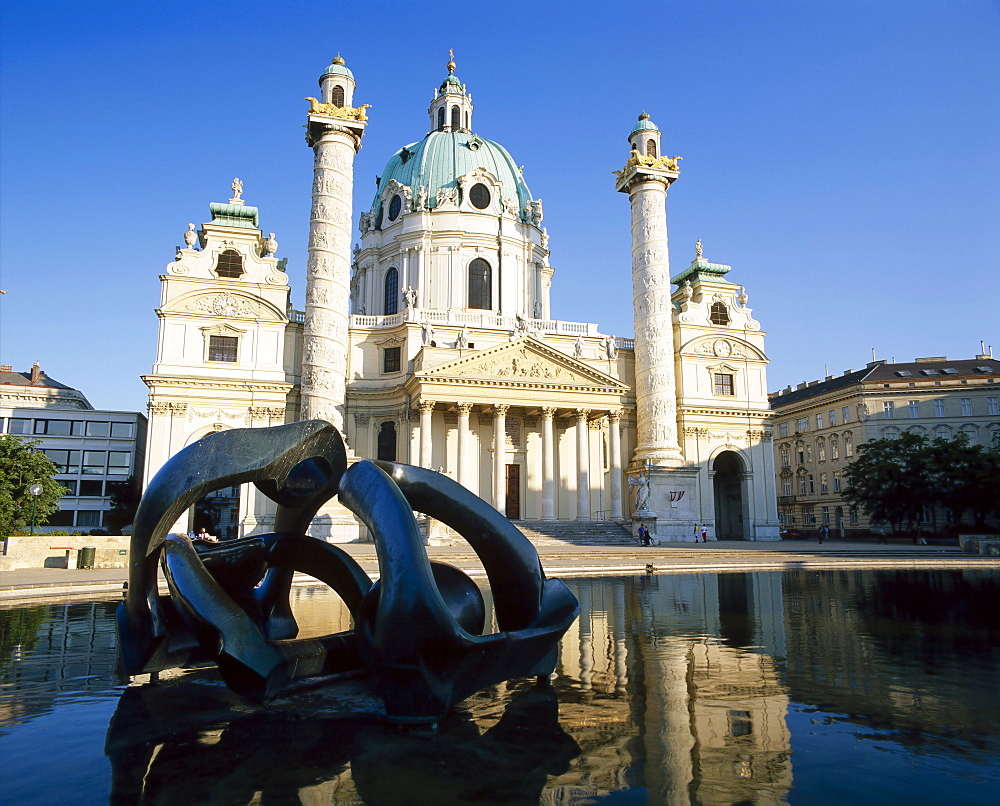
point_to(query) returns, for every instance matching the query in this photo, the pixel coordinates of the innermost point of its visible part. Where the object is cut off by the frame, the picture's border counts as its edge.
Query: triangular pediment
(525, 361)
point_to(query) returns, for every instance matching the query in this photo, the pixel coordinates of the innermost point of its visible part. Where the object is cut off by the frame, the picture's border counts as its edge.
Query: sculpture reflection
(181, 741)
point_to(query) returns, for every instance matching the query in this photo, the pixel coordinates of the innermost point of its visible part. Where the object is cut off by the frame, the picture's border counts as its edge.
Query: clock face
(224, 305)
(722, 348)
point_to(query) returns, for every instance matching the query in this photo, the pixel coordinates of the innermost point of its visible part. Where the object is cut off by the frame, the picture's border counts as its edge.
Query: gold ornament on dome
(332, 110)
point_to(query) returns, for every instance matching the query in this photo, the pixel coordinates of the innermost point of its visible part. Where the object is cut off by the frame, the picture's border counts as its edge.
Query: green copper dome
(337, 68)
(643, 124)
(441, 158)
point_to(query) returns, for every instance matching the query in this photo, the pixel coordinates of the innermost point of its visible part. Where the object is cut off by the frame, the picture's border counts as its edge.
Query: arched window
(230, 264)
(456, 118)
(467, 120)
(441, 119)
(391, 292)
(834, 448)
(719, 314)
(337, 95)
(387, 442)
(651, 148)
(480, 285)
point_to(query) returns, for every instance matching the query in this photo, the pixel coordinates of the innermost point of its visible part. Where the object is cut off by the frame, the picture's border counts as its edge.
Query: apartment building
(819, 425)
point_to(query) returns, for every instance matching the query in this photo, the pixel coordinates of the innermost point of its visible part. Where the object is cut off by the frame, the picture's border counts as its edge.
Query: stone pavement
(35, 584)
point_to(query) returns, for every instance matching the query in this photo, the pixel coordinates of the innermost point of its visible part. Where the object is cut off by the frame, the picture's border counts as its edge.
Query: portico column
(548, 467)
(426, 413)
(463, 443)
(583, 465)
(500, 457)
(615, 462)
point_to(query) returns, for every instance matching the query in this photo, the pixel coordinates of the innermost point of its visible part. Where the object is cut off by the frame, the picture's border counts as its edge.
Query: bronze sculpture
(418, 630)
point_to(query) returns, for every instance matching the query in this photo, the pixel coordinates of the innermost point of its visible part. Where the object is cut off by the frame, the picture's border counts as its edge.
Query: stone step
(596, 534)
(576, 533)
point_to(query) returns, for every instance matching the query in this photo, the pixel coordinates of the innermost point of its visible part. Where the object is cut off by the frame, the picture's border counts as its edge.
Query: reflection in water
(165, 748)
(733, 688)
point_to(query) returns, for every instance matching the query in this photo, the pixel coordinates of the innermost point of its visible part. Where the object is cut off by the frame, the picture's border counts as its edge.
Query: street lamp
(34, 490)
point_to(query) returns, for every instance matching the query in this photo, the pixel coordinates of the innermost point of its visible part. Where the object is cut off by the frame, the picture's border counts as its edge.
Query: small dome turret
(644, 124)
(645, 137)
(337, 68)
(337, 83)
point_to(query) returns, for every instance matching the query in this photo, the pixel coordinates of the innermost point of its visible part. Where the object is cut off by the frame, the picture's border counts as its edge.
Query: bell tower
(646, 177)
(334, 129)
(668, 487)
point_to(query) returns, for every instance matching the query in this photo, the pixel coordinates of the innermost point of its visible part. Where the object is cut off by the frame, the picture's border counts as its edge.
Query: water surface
(798, 687)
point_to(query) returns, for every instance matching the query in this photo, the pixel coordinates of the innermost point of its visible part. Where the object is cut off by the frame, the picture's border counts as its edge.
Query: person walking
(704, 533)
(824, 533)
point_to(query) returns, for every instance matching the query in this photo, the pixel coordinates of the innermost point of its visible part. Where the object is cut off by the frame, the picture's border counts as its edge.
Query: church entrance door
(514, 492)
(728, 484)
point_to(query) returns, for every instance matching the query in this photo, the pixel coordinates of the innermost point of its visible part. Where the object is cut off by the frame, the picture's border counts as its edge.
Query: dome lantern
(451, 107)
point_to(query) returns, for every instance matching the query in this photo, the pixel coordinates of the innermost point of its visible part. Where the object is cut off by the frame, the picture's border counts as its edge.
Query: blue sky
(842, 157)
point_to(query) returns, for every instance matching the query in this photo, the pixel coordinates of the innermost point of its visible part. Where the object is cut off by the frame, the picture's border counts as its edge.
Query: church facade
(431, 338)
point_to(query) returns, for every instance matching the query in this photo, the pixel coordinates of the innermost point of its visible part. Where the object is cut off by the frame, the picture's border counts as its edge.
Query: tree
(891, 479)
(966, 477)
(125, 496)
(22, 465)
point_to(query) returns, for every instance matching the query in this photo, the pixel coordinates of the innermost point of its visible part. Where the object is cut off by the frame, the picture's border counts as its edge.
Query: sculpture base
(674, 499)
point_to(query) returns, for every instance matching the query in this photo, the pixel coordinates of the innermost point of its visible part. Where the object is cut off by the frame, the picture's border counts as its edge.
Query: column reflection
(671, 685)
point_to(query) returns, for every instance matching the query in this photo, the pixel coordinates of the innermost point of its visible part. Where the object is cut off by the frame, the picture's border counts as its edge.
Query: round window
(479, 195)
(394, 207)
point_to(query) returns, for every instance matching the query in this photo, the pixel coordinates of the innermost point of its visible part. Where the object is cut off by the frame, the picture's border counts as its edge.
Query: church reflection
(671, 689)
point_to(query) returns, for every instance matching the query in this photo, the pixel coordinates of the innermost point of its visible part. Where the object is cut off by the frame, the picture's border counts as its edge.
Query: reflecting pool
(795, 687)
